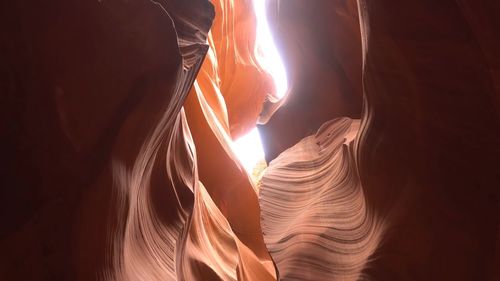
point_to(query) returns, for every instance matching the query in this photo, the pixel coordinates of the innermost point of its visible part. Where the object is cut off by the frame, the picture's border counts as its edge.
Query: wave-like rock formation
(208, 234)
(315, 218)
(117, 119)
(427, 145)
(127, 188)
(93, 91)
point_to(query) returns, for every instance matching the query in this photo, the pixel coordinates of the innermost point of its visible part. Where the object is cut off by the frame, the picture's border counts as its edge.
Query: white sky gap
(248, 148)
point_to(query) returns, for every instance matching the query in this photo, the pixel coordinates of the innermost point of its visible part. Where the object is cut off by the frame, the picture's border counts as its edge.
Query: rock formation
(118, 119)
(316, 222)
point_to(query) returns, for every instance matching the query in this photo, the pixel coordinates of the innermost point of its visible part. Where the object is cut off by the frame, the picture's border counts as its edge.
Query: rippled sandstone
(117, 120)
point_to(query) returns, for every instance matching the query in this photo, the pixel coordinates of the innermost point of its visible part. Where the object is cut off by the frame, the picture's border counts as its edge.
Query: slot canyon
(123, 124)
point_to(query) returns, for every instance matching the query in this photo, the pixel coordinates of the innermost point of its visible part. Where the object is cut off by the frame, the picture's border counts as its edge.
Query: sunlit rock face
(234, 85)
(315, 218)
(119, 119)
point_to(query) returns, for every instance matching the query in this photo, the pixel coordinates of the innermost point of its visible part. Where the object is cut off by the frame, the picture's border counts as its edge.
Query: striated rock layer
(427, 149)
(316, 221)
(118, 117)
(92, 92)
(125, 191)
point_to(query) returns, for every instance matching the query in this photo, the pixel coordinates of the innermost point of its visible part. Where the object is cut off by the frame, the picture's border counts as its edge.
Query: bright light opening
(266, 52)
(249, 150)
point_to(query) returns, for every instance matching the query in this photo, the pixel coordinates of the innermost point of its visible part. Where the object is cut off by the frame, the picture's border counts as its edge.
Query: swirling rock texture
(95, 92)
(315, 219)
(117, 164)
(428, 142)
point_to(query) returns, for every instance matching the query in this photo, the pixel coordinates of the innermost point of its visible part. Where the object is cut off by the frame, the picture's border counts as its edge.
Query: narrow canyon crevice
(118, 122)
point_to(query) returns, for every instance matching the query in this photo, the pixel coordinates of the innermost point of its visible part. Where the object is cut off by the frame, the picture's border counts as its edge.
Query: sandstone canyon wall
(427, 147)
(118, 118)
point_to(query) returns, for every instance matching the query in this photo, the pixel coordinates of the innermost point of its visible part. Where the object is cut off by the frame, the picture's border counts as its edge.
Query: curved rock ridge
(154, 196)
(117, 164)
(223, 238)
(154, 200)
(96, 92)
(316, 221)
(204, 231)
